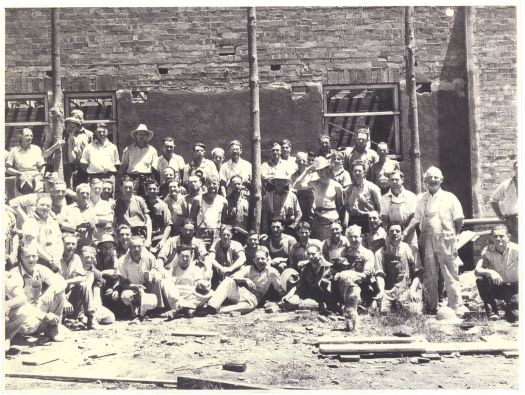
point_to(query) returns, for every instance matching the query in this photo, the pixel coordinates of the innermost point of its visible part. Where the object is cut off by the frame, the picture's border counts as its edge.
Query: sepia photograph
(261, 196)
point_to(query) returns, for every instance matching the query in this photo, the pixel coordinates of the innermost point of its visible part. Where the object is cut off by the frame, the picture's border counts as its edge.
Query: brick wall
(496, 48)
(122, 48)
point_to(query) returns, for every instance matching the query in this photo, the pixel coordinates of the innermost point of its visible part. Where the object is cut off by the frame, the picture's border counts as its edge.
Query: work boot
(53, 333)
(91, 323)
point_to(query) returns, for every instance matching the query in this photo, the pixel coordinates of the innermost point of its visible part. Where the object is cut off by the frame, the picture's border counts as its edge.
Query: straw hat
(147, 302)
(107, 238)
(321, 163)
(141, 129)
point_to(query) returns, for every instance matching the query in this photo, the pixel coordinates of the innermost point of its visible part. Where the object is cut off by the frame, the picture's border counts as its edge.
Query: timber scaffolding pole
(415, 153)
(57, 110)
(255, 126)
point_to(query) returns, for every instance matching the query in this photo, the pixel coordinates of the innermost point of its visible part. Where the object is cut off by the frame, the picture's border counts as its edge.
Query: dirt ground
(279, 349)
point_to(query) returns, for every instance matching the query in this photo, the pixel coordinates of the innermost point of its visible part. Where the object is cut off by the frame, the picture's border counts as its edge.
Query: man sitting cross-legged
(188, 286)
(398, 275)
(247, 288)
(226, 256)
(34, 298)
(498, 275)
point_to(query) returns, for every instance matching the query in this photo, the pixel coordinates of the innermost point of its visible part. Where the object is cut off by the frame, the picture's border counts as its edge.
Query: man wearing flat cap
(198, 162)
(77, 139)
(139, 158)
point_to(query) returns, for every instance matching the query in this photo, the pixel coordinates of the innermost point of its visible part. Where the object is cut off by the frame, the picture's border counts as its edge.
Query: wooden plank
(193, 333)
(472, 347)
(38, 360)
(369, 339)
(379, 349)
(189, 383)
(511, 354)
(360, 114)
(349, 358)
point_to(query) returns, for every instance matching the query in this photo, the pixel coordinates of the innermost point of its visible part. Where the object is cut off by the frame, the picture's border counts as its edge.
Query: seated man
(107, 264)
(226, 256)
(375, 238)
(34, 298)
(187, 288)
(314, 289)
(139, 277)
(279, 245)
(160, 215)
(336, 244)
(498, 275)
(247, 288)
(297, 254)
(398, 275)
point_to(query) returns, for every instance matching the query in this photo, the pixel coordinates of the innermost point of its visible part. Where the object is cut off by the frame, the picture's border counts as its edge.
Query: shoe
(54, 334)
(92, 323)
(494, 317)
(211, 310)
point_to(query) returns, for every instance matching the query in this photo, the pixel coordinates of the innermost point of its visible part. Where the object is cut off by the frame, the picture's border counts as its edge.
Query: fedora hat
(25, 183)
(321, 163)
(141, 129)
(147, 302)
(107, 238)
(280, 174)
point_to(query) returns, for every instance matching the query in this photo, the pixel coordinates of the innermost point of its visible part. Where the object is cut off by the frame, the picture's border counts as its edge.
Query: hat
(107, 238)
(280, 174)
(321, 163)
(147, 302)
(199, 144)
(202, 288)
(25, 184)
(73, 120)
(142, 128)
(289, 278)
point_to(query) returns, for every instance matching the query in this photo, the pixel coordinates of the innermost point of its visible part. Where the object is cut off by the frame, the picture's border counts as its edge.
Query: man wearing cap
(132, 210)
(100, 159)
(505, 203)
(187, 287)
(361, 197)
(235, 166)
(498, 275)
(328, 197)
(440, 217)
(280, 203)
(160, 216)
(226, 256)
(34, 298)
(169, 251)
(198, 162)
(361, 152)
(398, 274)
(139, 274)
(273, 164)
(107, 264)
(169, 159)
(139, 158)
(247, 288)
(77, 139)
(297, 253)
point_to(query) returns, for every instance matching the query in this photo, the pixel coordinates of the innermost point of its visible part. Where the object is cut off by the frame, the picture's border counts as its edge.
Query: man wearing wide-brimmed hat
(139, 158)
(328, 197)
(77, 139)
(280, 203)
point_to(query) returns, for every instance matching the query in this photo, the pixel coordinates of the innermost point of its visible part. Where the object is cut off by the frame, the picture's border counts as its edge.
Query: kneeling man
(498, 275)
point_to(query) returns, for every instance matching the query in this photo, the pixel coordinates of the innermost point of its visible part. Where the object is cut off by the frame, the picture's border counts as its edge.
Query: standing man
(198, 162)
(440, 218)
(139, 158)
(275, 162)
(160, 215)
(132, 210)
(504, 201)
(77, 139)
(498, 275)
(286, 156)
(169, 159)
(100, 159)
(235, 166)
(361, 152)
(325, 148)
(385, 166)
(238, 214)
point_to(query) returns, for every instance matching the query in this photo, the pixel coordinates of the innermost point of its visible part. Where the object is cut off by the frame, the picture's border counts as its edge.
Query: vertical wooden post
(473, 106)
(410, 44)
(57, 109)
(254, 120)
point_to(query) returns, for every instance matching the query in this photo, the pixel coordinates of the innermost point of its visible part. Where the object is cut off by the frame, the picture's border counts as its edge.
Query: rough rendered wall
(496, 42)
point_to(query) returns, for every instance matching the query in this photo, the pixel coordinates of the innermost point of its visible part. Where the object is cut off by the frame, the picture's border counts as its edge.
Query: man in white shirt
(235, 166)
(169, 159)
(505, 203)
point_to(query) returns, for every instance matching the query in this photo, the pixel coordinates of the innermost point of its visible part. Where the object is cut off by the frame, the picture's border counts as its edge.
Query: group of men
(119, 238)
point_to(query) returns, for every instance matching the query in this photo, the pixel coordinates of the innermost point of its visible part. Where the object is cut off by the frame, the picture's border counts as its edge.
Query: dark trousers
(74, 175)
(508, 292)
(512, 225)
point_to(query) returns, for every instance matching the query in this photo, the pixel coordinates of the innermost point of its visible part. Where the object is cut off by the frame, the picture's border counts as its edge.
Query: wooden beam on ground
(420, 348)
(90, 379)
(194, 383)
(194, 333)
(370, 339)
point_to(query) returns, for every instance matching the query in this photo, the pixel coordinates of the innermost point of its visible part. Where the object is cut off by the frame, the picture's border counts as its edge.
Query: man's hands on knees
(52, 319)
(495, 277)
